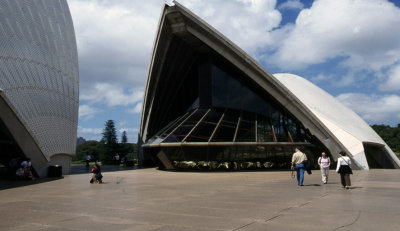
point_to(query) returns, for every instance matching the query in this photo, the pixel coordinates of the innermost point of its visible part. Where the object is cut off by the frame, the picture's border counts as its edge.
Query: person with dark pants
(13, 167)
(343, 168)
(298, 160)
(87, 160)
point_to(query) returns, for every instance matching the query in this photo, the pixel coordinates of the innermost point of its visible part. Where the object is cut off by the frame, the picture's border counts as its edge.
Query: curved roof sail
(183, 39)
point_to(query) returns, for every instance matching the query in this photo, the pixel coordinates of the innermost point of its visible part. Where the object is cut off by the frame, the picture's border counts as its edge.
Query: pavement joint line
(324, 195)
(280, 213)
(301, 205)
(273, 217)
(244, 226)
(285, 209)
(352, 223)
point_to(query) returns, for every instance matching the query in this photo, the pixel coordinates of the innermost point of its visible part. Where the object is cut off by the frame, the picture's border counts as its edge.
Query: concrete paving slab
(149, 200)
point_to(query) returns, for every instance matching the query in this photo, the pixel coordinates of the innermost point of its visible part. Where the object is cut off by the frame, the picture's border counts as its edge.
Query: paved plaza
(149, 199)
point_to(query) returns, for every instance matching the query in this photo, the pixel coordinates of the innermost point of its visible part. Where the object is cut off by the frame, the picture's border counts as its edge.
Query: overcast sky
(349, 48)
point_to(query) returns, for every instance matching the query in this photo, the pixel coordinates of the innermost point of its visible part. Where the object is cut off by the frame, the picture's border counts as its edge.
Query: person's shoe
(347, 187)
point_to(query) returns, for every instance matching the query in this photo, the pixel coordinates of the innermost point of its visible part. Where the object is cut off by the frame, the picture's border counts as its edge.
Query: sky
(349, 48)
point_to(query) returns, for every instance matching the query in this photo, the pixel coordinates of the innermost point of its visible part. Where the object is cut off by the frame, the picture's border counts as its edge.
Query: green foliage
(391, 135)
(109, 133)
(104, 152)
(109, 143)
(124, 138)
(106, 149)
(90, 147)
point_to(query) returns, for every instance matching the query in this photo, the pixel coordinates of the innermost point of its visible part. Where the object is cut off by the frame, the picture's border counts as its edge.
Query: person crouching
(96, 177)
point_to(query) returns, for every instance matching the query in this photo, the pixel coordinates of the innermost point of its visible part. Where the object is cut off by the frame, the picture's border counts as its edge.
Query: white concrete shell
(347, 130)
(39, 80)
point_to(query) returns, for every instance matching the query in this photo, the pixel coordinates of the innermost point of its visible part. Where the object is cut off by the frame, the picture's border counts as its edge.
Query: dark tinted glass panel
(278, 121)
(202, 133)
(246, 132)
(173, 125)
(264, 130)
(234, 93)
(196, 116)
(224, 133)
(252, 102)
(219, 88)
(205, 129)
(227, 128)
(213, 116)
(229, 92)
(180, 133)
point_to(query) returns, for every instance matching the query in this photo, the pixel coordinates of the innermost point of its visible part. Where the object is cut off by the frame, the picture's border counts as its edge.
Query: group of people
(300, 164)
(21, 169)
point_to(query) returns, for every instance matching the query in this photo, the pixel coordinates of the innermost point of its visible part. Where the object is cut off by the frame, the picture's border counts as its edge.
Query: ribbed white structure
(39, 70)
(343, 124)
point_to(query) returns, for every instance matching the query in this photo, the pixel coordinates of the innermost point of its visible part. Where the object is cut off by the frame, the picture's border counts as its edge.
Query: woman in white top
(343, 168)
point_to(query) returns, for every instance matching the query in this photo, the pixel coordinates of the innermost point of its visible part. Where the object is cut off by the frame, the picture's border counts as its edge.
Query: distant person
(343, 168)
(28, 174)
(26, 163)
(96, 158)
(13, 167)
(117, 161)
(20, 173)
(126, 160)
(298, 163)
(324, 163)
(87, 160)
(96, 177)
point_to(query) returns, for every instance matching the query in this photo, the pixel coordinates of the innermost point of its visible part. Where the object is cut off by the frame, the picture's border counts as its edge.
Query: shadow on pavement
(7, 184)
(318, 185)
(82, 169)
(75, 169)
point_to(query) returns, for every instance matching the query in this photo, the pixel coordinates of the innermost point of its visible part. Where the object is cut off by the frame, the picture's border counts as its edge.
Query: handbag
(349, 170)
(307, 165)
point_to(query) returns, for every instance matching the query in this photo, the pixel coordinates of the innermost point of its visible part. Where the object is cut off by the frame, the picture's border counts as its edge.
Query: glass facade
(231, 125)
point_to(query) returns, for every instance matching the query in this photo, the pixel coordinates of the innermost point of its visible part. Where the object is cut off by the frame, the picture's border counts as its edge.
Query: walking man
(298, 160)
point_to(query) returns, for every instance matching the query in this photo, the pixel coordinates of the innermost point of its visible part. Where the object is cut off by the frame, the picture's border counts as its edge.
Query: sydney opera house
(209, 105)
(38, 83)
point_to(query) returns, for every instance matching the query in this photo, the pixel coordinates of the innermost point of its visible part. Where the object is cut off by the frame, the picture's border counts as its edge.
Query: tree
(391, 135)
(124, 139)
(109, 133)
(109, 143)
(90, 147)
